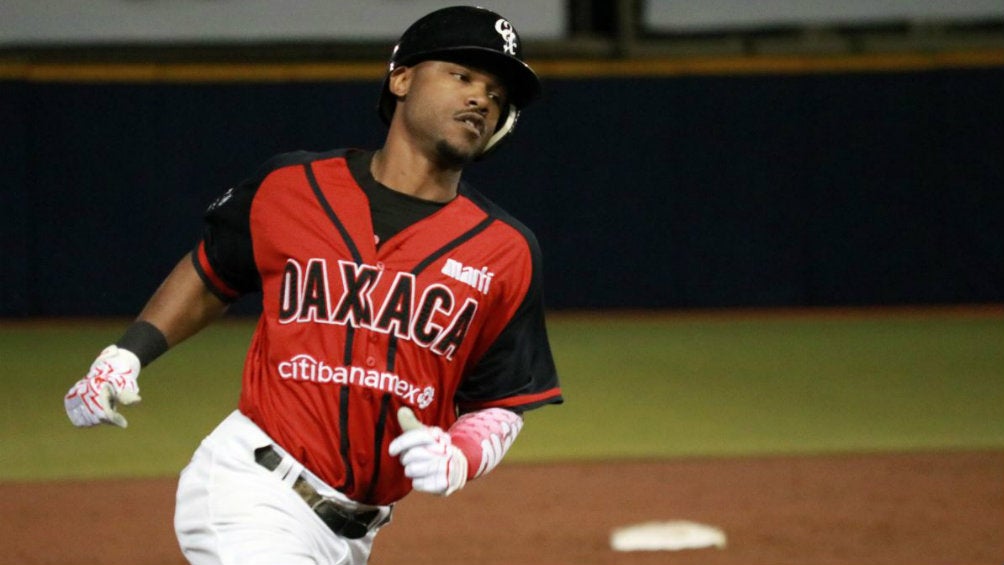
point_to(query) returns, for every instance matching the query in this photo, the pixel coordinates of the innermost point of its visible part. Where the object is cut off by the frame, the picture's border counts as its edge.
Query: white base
(666, 536)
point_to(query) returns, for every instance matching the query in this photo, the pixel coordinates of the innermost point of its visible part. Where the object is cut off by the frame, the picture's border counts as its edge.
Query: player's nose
(478, 101)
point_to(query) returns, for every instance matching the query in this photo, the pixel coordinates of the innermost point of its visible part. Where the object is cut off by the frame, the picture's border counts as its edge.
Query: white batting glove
(110, 382)
(430, 459)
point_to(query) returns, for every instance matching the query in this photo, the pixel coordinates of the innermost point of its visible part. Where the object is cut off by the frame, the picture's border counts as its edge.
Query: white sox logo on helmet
(504, 28)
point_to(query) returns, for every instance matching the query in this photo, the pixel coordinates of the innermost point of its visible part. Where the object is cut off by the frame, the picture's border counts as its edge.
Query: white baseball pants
(232, 511)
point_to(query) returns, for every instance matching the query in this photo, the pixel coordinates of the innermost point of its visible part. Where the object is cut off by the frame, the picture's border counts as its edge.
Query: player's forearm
(485, 436)
(180, 307)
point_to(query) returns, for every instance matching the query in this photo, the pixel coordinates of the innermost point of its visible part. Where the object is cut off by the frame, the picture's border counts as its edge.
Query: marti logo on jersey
(432, 317)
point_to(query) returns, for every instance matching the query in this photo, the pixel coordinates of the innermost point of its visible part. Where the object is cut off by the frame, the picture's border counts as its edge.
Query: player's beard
(452, 157)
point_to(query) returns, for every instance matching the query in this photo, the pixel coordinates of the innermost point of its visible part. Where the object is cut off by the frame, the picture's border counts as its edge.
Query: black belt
(347, 523)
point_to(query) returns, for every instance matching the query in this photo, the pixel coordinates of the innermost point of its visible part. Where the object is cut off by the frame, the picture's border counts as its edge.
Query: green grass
(647, 386)
(712, 386)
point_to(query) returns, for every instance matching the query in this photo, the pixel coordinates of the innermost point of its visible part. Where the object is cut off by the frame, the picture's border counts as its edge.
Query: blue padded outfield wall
(816, 189)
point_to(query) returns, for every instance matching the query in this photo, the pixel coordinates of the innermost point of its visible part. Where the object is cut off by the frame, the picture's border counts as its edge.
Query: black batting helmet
(472, 36)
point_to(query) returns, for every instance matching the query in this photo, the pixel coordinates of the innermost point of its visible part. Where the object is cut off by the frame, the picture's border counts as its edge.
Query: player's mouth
(473, 121)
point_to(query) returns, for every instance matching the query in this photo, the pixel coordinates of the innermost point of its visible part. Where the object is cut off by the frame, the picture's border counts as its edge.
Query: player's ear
(399, 81)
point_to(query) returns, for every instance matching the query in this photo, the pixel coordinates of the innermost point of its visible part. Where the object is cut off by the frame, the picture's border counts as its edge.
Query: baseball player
(402, 330)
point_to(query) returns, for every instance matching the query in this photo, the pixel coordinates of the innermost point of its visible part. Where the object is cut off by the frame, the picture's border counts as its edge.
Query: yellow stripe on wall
(779, 64)
(649, 67)
(190, 72)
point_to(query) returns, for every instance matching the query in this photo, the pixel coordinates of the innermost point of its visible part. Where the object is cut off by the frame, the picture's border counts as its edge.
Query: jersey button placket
(370, 362)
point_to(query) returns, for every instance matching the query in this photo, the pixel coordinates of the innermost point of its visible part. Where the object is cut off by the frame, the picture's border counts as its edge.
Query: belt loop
(286, 471)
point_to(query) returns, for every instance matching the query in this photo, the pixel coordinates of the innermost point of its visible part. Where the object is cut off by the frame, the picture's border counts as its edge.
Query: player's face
(452, 109)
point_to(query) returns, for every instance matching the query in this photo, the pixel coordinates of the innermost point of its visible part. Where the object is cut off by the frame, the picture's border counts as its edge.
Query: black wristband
(145, 341)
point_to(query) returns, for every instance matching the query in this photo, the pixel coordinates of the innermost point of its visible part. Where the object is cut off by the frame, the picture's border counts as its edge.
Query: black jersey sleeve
(517, 371)
(226, 245)
(225, 256)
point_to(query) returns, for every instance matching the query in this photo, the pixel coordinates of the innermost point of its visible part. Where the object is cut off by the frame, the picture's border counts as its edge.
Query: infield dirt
(881, 509)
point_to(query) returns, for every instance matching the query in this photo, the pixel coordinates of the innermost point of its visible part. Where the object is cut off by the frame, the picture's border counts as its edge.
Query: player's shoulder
(250, 185)
(236, 201)
(297, 158)
(491, 208)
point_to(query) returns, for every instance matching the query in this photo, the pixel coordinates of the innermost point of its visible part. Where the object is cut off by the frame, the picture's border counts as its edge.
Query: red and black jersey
(445, 316)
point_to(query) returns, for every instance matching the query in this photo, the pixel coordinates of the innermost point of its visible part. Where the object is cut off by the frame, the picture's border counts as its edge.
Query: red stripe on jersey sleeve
(546, 397)
(210, 274)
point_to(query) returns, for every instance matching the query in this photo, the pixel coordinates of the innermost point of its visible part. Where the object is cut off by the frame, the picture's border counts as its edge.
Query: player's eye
(462, 77)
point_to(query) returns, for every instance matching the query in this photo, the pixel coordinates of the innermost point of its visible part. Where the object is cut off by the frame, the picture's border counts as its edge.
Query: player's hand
(110, 382)
(430, 459)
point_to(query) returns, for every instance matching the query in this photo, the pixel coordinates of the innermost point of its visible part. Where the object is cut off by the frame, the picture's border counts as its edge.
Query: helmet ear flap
(501, 132)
